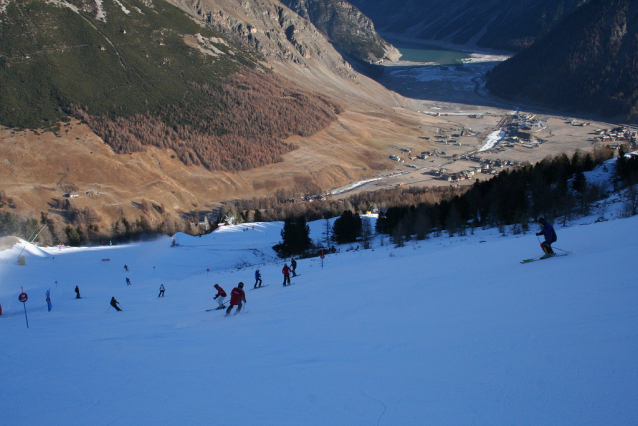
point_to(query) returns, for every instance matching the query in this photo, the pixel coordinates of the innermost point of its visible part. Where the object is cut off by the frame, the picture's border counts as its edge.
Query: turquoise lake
(416, 52)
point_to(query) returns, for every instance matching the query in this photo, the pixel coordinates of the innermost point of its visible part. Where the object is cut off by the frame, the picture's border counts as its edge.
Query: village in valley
(459, 148)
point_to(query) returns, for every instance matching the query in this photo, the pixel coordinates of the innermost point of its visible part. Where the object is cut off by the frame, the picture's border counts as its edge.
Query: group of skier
(237, 295)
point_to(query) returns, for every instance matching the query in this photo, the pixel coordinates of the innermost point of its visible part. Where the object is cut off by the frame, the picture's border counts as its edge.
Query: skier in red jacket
(221, 295)
(286, 272)
(236, 297)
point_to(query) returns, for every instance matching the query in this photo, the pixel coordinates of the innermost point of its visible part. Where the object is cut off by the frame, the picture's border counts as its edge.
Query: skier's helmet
(241, 285)
(541, 220)
(216, 285)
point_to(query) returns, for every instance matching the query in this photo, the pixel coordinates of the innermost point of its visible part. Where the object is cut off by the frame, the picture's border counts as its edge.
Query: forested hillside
(588, 63)
(143, 73)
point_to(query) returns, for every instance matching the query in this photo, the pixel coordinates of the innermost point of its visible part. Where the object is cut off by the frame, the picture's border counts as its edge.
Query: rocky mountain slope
(347, 28)
(589, 63)
(499, 24)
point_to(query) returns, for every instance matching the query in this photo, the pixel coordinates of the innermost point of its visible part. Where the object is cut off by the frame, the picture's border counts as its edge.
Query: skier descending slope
(257, 279)
(236, 297)
(221, 295)
(114, 303)
(550, 237)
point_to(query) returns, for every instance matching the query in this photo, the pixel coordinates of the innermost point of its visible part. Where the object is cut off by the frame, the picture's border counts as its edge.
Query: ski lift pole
(31, 239)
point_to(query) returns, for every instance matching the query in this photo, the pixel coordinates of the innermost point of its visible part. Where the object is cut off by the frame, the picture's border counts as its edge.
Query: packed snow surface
(448, 331)
(492, 139)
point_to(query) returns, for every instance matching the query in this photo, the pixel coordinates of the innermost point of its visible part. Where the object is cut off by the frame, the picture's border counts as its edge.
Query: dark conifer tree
(347, 228)
(295, 237)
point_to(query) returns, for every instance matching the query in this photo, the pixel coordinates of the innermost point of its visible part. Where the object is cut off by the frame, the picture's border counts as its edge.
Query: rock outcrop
(271, 28)
(347, 28)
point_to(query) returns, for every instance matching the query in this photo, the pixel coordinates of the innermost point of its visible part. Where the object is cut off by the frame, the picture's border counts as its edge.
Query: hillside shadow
(439, 86)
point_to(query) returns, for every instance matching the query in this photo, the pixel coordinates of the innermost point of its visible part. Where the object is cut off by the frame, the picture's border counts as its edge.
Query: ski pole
(561, 250)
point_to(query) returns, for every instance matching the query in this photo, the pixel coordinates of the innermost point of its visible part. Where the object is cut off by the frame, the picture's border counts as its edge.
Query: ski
(542, 258)
(257, 288)
(216, 309)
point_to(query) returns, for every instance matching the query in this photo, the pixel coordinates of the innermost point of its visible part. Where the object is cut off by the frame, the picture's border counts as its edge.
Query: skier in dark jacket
(257, 278)
(293, 264)
(236, 297)
(128, 282)
(77, 292)
(286, 272)
(550, 237)
(221, 295)
(114, 303)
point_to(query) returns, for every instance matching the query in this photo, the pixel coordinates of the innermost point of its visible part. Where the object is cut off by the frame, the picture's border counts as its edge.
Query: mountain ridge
(496, 24)
(589, 63)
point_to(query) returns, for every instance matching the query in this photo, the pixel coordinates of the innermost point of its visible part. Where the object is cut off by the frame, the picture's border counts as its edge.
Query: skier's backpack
(554, 237)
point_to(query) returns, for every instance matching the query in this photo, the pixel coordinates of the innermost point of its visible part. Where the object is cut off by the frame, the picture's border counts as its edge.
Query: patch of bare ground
(38, 169)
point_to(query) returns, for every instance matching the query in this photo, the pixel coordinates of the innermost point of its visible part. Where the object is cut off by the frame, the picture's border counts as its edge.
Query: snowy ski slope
(440, 332)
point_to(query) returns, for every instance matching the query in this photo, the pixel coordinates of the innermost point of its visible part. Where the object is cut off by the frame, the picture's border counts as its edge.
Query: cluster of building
(423, 156)
(443, 174)
(527, 122)
(617, 134)
(485, 166)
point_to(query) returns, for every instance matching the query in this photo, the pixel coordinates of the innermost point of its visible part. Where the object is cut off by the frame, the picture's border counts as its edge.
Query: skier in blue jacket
(257, 278)
(550, 237)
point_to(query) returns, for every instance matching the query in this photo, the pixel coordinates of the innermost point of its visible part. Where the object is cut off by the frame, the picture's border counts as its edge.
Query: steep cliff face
(589, 63)
(272, 29)
(347, 28)
(500, 24)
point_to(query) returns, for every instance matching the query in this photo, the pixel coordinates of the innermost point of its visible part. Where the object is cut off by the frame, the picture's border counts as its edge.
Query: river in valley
(440, 74)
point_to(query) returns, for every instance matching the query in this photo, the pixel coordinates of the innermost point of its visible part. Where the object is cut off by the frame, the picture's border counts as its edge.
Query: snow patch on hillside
(100, 14)
(63, 3)
(124, 9)
(3, 5)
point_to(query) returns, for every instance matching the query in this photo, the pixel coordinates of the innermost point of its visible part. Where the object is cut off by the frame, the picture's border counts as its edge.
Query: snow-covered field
(440, 332)
(492, 139)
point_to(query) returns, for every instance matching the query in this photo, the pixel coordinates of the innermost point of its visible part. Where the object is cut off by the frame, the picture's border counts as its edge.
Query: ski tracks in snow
(385, 407)
(100, 400)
